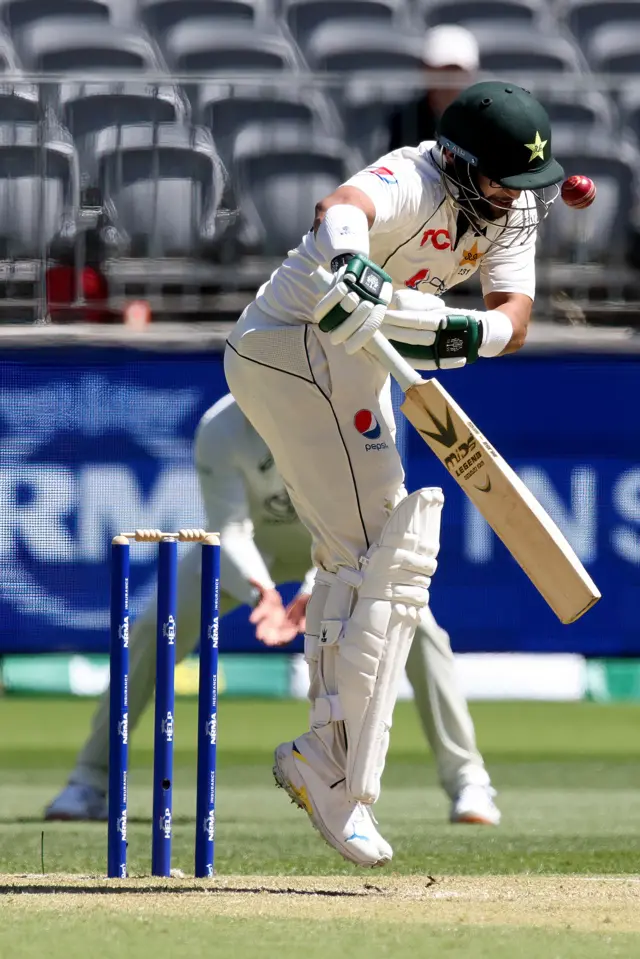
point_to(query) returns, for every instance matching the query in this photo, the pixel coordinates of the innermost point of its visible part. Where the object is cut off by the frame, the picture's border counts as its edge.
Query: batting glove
(355, 304)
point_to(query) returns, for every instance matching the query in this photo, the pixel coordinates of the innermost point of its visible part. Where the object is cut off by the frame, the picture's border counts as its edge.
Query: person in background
(450, 56)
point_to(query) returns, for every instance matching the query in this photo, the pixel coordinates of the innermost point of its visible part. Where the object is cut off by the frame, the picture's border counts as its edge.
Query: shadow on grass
(135, 820)
(42, 890)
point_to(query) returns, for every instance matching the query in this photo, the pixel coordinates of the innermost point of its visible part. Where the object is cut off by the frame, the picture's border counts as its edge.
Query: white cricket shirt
(413, 238)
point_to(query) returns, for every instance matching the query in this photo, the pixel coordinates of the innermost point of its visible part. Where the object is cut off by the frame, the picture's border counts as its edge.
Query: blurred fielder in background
(264, 543)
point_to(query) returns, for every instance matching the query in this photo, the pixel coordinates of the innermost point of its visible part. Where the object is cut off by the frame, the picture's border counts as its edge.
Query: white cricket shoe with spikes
(346, 825)
(475, 805)
(77, 803)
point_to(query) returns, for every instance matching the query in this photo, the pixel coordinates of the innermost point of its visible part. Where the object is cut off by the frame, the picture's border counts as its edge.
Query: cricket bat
(509, 507)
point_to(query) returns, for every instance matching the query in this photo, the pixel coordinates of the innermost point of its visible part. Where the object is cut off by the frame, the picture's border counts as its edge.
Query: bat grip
(386, 354)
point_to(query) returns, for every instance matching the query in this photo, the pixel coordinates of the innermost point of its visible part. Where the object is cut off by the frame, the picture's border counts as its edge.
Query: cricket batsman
(264, 543)
(384, 247)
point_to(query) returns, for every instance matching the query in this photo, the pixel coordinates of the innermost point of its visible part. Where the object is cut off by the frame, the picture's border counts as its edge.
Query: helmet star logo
(537, 147)
(470, 257)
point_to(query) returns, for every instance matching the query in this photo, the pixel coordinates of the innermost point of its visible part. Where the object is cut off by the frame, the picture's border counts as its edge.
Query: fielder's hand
(274, 626)
(355, 303)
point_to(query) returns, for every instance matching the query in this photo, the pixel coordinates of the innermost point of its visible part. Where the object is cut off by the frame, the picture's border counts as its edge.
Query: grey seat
(281, 171)
(16, 14)
(527, 12)
(20, 103)
(349, 46)
(598, 233)
(66, 44)
(513, 49)
(10, 61)
(226, 110)
(162, 186)
(210, 46)
(615, 48)
(585, 16)
(586, 108)
(630, 106)
(88, 108)
(161, 15)
(38, 188)
(304, 16)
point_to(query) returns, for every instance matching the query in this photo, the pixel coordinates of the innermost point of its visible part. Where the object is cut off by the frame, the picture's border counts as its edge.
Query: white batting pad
(396, 574)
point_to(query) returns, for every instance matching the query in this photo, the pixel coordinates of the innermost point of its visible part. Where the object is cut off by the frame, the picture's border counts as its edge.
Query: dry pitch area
(251, 916)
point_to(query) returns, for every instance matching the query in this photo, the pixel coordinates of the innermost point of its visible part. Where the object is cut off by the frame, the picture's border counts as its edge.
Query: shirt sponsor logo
(366, 424)
(414, 281)
(384, 174)
(439, 239)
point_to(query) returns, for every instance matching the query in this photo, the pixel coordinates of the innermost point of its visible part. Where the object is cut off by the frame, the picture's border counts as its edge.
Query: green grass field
(569, 787)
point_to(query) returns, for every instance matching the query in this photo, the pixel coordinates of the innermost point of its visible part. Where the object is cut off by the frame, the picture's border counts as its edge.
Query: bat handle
(386, 354)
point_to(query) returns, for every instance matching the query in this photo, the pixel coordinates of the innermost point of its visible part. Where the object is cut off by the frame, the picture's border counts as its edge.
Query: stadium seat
(585, 16)
(67, 44)
(528, 12)
(225, 110)
(208, 45)
(161, 15)
(20, 103)
(281, 171)
(630, 107)
(38, 188)
(304, 16)
(615, 48)
(513, 49)
(164, 184)
(10, 61)
(16, 14)
(88, 108)
(588, 108)
(600, 232)
(351, 45)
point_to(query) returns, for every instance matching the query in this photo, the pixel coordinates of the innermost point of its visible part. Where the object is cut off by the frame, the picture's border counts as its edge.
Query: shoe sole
(474, 820)
(283, 783)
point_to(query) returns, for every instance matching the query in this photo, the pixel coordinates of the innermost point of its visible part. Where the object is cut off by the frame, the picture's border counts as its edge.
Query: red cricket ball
(578, 192)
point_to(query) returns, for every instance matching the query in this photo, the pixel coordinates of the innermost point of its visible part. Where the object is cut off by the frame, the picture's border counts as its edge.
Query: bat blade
(509, 507)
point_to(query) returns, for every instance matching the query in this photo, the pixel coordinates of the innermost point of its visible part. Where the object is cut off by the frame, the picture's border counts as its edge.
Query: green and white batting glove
(355, 303)
(429, 335)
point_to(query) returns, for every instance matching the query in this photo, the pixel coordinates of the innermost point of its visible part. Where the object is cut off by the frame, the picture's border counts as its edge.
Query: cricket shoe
(346, 825)
(474, 804)
(77, 803)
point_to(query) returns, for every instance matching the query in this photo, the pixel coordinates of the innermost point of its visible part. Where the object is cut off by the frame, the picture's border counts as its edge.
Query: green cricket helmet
(502, 131)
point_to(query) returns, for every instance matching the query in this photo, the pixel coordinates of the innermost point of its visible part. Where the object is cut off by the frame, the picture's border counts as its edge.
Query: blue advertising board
(96, 440)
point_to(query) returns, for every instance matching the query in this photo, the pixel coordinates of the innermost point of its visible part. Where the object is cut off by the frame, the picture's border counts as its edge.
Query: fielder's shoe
(346, 825)
(474, 804)
(77, 802)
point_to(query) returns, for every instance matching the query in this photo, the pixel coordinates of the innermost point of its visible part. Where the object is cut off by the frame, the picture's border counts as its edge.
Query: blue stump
(165, 709)
(118, 710)
(207, 710)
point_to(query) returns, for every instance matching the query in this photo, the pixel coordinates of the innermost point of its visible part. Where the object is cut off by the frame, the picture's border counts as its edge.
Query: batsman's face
(496, 194)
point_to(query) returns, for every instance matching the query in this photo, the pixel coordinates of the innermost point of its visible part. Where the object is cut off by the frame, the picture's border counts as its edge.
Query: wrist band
(497, 331)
